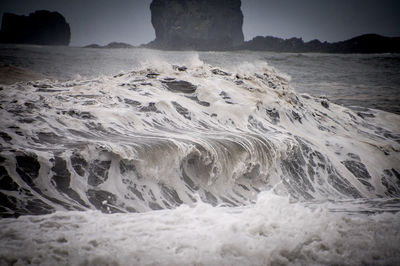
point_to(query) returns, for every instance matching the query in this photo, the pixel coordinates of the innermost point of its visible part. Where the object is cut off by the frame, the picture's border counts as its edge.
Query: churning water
(141, 157)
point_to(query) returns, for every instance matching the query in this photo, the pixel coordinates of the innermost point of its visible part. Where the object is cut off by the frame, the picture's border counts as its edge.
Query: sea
(146, 157)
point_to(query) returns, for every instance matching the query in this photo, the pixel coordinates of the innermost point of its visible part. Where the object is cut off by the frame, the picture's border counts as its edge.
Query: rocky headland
(41, 27)
(367, 43)
(196, 24)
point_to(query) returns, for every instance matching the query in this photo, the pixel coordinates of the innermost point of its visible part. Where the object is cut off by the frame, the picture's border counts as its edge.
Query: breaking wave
(165, 135)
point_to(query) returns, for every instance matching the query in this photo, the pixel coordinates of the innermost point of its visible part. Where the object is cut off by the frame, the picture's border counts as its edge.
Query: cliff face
(197, 24)
(41, 27)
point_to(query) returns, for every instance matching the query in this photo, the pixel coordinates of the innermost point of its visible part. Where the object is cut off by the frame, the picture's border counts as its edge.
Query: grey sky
(104, 21)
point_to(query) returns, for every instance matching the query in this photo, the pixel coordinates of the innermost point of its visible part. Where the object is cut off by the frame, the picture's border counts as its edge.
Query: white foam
(272, 231)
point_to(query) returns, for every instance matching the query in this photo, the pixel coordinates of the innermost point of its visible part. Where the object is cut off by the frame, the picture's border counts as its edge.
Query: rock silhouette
(196, 24)
(111, 45)
(367, 43)
(41, 27)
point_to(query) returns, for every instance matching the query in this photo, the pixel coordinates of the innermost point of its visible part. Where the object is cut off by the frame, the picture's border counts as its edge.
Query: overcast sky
(104, 21)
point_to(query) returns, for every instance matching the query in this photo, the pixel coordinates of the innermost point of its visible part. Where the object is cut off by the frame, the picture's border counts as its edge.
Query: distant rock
(196, 24)
(118, 45)
(368, 43)
(93, 45)
(41, 27)
(111, 45)
(270, 43)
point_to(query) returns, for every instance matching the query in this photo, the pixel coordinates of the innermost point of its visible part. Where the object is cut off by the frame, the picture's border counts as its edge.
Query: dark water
(371, 81)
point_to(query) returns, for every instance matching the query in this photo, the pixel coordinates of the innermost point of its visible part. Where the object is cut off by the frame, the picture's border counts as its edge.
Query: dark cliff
(196, 24)
(41, 27)
(368, 43)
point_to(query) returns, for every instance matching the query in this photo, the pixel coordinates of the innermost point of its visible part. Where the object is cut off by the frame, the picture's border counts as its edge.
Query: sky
(104, 21)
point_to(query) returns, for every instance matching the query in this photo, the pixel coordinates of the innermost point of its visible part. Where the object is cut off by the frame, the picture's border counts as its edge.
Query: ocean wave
(156, 137)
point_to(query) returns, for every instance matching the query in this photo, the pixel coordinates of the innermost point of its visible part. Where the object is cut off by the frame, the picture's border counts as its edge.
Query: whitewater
(194, 164)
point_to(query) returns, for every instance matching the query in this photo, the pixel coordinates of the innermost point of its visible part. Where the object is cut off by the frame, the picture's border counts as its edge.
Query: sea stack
(196, 24)
(41, 27)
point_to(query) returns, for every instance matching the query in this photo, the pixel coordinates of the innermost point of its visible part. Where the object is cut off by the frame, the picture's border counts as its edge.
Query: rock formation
(41, 27)
(196, 24)
(111, 45)
(368, 43)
